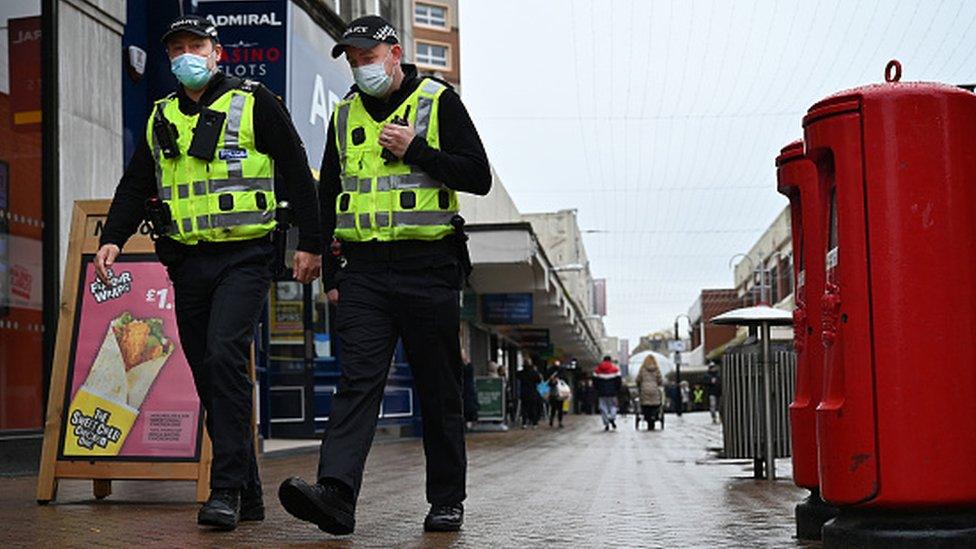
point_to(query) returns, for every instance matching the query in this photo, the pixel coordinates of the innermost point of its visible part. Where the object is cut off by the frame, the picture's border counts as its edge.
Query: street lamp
(762, 274)
(677, 361)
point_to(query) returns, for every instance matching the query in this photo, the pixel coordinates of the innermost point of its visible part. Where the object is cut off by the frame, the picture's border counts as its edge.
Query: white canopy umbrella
(663, 362)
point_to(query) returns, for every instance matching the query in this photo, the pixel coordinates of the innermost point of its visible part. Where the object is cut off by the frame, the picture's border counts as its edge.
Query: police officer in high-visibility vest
(399, 148)
(216, 158)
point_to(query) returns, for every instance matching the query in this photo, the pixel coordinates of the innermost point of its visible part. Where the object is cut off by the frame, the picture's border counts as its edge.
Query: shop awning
(508, 259)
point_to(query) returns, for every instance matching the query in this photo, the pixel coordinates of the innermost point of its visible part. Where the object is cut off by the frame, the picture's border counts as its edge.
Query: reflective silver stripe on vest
(346, 221)
(385, 183)
(242, 184)
(418, 180)
(382, 219)
(424, 106)
(240, 218)
(431, 86)
(365, 185)
(158, 155)
(166, 193)
(342, 123)
(232, 134)
(364, 222)
(350, 184)
(187, 225)
(422, 218)
(203, 222)
(183, 191)
(199, 188)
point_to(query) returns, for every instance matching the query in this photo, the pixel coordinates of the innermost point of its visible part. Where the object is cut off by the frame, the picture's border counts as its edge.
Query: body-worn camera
(206, 134)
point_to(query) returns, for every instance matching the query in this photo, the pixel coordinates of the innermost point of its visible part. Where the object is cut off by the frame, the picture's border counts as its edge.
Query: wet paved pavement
(573, 487)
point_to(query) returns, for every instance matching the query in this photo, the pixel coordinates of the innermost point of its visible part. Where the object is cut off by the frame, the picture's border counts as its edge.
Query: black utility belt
(208, 247)
(382, 251)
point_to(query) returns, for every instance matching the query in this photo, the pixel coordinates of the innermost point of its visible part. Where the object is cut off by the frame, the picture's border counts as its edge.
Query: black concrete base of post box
(811, 514)
(902, 529)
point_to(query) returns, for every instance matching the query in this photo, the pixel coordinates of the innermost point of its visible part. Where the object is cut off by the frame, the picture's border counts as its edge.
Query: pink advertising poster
(131, 390)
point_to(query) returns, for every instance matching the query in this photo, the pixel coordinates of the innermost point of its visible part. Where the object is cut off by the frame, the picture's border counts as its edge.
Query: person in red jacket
(607, 380)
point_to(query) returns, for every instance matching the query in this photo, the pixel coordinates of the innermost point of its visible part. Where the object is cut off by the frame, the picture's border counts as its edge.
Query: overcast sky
(659, 120)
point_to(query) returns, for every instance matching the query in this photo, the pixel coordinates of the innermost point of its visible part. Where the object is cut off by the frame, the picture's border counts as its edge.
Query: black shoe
(252, 504)
(613, 424)
(326, 506)
(222, 510)
(606, 427)
(444, 518)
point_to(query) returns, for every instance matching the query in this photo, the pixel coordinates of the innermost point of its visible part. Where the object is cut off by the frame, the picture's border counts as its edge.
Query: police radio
(387, 154)
(165, 135)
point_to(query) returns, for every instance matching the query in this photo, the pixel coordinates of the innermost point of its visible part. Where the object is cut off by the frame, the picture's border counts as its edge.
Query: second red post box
(796, 177)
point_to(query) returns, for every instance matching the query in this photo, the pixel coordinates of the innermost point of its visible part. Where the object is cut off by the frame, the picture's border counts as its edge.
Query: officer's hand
(396, 138)
(103, 260)
(306, 266)
(333, 296)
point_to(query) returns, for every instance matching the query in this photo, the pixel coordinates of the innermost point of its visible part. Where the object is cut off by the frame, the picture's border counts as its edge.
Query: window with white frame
(430, 15)
(434, 55)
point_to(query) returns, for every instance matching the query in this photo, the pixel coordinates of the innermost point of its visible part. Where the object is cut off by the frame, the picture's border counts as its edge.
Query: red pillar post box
(896, 164)
(796, 178)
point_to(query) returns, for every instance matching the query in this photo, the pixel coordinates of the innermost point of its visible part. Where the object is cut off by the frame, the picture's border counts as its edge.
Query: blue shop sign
(506, 308)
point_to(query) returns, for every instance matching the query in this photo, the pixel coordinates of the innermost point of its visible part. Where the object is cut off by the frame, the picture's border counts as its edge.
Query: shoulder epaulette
(249, 85)
(440, 80)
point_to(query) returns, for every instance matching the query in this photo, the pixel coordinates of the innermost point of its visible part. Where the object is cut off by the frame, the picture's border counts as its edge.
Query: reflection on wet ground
(578, 486)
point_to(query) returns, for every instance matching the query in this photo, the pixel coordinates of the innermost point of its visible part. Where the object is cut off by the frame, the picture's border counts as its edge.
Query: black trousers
(219, 293)
(650, 413)
(555, 409)
(531, 409)
(375, 308)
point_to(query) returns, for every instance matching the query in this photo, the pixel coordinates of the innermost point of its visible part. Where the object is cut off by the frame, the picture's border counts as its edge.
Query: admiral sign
(253, 34)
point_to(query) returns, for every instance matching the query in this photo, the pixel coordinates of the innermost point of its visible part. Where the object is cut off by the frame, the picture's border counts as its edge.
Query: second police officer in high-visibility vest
(204, 175)
(399, 148)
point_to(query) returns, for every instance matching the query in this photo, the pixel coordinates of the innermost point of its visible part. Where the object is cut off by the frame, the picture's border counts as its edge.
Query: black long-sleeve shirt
(461, 164)
(274, 135)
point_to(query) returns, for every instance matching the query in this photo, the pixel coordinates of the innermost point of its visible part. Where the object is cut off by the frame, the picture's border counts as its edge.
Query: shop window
(21, 249)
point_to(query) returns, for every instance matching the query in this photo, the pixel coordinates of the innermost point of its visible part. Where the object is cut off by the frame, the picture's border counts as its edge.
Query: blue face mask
(191, 70)
(373, 79)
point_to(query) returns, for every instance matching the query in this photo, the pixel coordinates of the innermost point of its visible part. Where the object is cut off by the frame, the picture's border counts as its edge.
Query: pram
(639, 415)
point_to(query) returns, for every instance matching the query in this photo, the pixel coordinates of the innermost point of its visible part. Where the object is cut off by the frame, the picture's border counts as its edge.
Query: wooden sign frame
(87, 217)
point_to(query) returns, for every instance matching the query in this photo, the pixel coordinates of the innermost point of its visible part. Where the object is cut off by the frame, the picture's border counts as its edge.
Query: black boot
(444, 518)
(252, 504)
(329, 506)
(222, 510)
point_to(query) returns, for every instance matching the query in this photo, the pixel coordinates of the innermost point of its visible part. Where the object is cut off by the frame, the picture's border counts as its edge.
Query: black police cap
(366, 32)
(193, 24)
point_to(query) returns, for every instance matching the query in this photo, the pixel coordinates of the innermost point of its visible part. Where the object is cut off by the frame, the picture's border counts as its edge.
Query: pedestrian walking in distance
(399, 148)
(555, 381)
(649, 383)
(607, 380)
(529, 380)
(204, 175)
(713, 382)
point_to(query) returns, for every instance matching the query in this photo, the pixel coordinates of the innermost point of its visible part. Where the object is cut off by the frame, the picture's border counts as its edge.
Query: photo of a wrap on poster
(132, 394)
